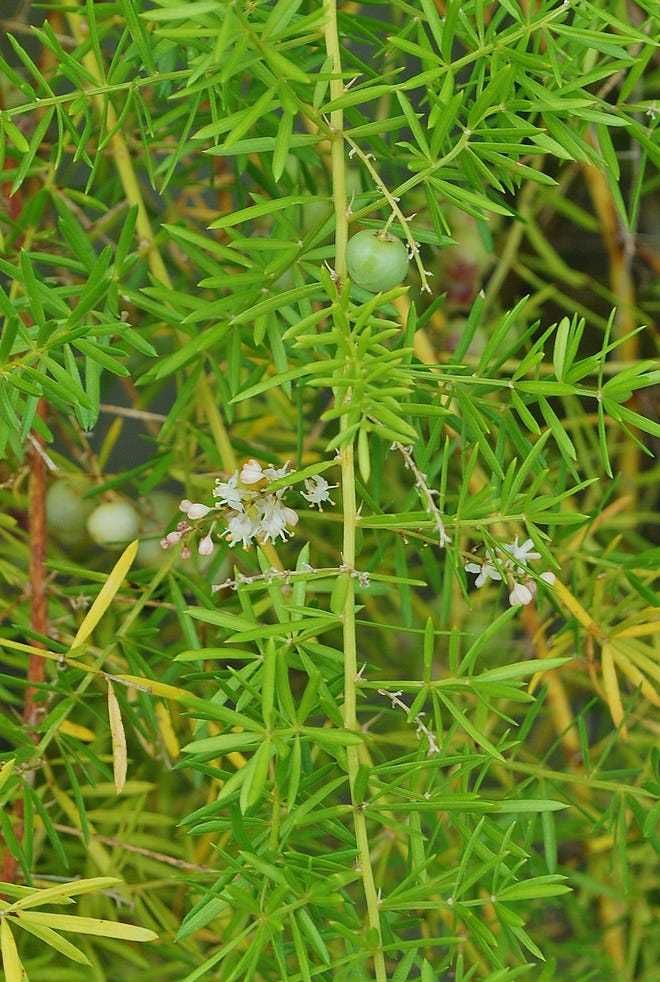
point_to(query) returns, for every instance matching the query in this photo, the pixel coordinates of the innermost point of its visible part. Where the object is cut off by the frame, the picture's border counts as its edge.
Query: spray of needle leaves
(326, 484)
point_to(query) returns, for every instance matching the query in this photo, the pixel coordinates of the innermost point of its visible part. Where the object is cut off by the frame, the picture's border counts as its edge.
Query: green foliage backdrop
(382, 702)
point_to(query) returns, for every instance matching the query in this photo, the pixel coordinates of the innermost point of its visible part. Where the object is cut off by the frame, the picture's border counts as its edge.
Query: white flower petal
(252, 472)
(520, 595)
(198, 510)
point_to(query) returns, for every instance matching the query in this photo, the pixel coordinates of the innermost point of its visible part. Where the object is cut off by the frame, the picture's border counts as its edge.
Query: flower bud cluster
(510, 566)
(251, 511)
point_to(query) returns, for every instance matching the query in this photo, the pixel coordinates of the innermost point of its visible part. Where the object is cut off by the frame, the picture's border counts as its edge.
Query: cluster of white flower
(252, 512)
(510, 566)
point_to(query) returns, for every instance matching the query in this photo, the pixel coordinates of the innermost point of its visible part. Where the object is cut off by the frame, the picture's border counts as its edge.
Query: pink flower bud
(206, 547)
(548, 577)
(185, 506)
(172, 538)
(164, 544)
(185, 553)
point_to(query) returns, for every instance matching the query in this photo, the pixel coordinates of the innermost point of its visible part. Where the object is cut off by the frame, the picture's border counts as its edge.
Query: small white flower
(206, 547)
(522, 553)
(198, 510)
(185, 505)
(317, 490)
(275, 473)
(252, 472)
(228, 493)
(520, 595)
(486, 571)
(241, 528)
(548, 577)
(275, 517)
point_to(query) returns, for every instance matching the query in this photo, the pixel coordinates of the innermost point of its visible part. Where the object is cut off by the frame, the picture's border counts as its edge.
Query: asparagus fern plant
(327, 483)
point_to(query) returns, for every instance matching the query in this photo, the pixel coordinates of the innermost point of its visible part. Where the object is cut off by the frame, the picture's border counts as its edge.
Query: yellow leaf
(237, 759)
(31, 649)
(6, 771)
(57, 942)
(119, 757)
(576, 608)
(641, 656)
(636, 677)
(10, 961)
(86, 925)
(152, 687)
(106, 595)
(639, 630)
(167, 730)
(65, 890)
(74, 730)
(611, 686)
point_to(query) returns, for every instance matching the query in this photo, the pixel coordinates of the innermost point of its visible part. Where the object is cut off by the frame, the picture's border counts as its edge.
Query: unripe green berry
(156, 513)
(113, 524)
(157, 510)
(376, 261)
(67, 512)
(315, 213)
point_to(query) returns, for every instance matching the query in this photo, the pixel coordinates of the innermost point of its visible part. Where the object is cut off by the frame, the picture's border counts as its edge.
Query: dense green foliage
(380, 705)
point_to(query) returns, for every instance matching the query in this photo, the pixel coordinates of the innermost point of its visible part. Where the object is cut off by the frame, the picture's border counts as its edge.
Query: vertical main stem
(350, 701)
(349, 507)
(337, 149)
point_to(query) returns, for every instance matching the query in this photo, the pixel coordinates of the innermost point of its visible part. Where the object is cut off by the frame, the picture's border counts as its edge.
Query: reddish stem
(37, 528)
(39, 612)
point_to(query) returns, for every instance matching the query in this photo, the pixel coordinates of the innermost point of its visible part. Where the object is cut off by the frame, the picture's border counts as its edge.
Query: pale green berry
(315, 213)
(150, 553)
(156, 513)
(376, 261)
(67, 511)
(113, 524)
(157, 510)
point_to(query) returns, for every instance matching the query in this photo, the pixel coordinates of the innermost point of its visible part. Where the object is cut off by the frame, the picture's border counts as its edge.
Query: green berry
(158, 510)
(315, 213)
(150, 553)
(67, 512)
(156, 513)
(113, 524)
(376, 261)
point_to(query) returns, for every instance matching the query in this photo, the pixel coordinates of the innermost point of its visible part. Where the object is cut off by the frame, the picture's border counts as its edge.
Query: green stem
(337, 150)
(349, 507)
